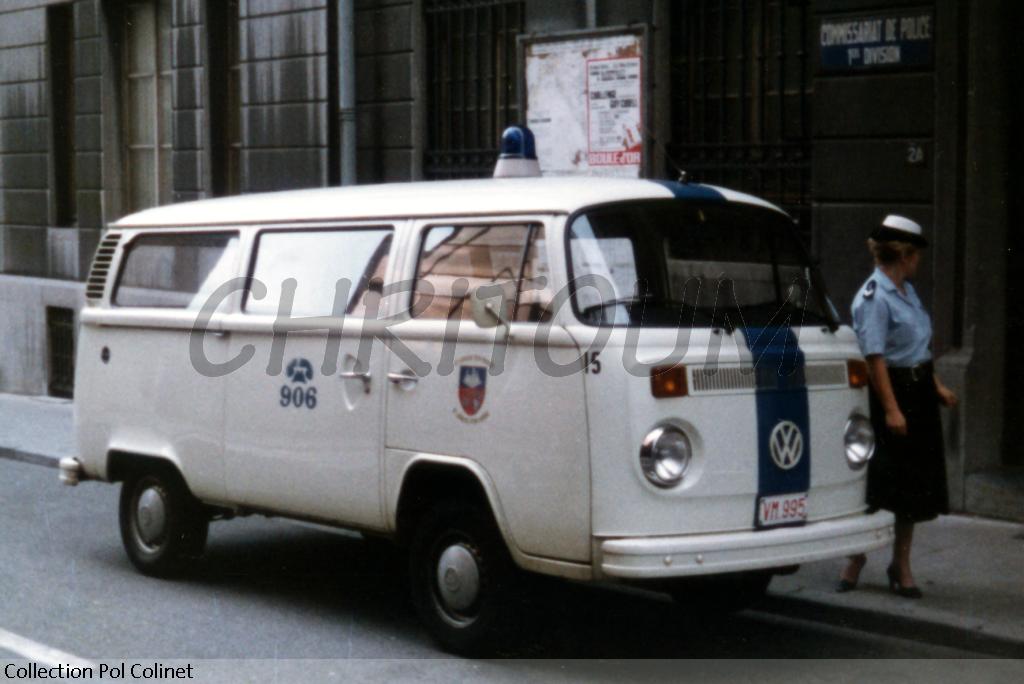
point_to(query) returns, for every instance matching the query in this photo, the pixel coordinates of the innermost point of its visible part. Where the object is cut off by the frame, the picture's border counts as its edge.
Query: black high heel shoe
(845, 585)
(897, 588)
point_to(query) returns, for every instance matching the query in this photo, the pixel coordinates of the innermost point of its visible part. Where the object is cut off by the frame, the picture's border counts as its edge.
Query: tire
(467, 623)
(161, 550)
(712, 598)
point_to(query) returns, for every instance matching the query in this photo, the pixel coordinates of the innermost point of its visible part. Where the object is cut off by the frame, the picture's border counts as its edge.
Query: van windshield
(681, 264)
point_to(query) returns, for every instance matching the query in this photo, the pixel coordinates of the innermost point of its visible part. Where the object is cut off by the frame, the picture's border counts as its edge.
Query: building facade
(840, 110)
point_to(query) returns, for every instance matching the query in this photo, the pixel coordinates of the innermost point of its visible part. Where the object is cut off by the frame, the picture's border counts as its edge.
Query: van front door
(303, 433)
(486, 397)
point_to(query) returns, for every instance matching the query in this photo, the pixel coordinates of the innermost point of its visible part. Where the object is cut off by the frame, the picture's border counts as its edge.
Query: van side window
(318, 260)
(176, 271)
(511, 255)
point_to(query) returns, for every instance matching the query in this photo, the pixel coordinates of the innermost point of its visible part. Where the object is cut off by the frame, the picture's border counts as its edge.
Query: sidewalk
(971, 570)
(36, 429)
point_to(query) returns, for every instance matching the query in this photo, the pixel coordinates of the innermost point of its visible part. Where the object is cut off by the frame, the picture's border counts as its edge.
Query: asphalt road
(270, 589)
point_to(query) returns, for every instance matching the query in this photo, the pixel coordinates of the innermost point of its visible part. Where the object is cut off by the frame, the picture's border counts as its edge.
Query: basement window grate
(60, 338)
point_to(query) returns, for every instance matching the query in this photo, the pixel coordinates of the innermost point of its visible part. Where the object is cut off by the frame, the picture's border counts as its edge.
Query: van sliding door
(304, 416)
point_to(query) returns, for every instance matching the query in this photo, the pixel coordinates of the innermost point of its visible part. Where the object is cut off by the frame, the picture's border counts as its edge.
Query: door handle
(405, 381)
(357, 375)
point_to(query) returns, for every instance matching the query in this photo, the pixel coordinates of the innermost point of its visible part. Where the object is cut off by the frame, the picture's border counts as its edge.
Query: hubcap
(458, 578)
(151, 515)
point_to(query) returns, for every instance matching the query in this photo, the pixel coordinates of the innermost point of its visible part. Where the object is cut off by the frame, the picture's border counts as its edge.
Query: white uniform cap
(902, 229)
(902, 223)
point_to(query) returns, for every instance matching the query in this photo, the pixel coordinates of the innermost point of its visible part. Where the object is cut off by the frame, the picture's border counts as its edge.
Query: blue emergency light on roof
(518, 157)
(517, 142)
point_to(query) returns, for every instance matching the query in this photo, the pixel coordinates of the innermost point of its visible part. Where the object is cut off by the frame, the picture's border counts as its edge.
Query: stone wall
(388, 80)
(932, 142)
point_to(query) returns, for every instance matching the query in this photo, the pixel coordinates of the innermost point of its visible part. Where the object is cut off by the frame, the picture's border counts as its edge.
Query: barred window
(472, 80)
(147, 102)
(224, 110)
(741, 83)
(61, 51)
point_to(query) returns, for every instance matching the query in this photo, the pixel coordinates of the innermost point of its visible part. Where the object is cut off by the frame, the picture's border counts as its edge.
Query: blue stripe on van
(691, 191)
(781, 394)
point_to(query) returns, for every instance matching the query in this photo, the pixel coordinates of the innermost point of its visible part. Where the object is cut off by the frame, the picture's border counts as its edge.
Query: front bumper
(704, 554)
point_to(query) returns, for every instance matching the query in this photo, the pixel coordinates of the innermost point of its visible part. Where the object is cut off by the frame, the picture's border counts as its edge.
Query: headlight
(859, 440)
(665, 455)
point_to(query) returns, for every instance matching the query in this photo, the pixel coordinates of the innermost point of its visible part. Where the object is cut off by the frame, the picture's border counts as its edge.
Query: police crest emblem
(472, 388)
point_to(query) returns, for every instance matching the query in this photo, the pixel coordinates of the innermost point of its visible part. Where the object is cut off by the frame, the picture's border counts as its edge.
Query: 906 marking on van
(301, 394)
(298, 397)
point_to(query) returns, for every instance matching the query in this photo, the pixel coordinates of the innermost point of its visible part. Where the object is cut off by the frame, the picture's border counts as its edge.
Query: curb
(895, 625)
(29, 457)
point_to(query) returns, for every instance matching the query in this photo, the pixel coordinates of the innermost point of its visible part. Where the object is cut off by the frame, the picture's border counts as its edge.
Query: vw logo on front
(786, 444)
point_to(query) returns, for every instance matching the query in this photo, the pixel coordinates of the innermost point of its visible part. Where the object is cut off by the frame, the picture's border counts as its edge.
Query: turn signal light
(669, 381)
(857, 373)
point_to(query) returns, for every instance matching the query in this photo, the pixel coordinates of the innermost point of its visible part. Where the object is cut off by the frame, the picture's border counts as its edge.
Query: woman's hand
(947, 397)
(896, 423)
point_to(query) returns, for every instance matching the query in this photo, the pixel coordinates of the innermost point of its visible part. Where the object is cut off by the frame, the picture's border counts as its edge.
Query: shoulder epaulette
(869, 289)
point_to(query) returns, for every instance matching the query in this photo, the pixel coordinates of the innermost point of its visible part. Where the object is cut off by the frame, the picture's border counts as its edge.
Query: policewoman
(908, 472)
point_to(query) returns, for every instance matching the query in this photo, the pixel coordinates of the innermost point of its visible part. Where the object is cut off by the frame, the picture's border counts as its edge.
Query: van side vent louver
(97, 281)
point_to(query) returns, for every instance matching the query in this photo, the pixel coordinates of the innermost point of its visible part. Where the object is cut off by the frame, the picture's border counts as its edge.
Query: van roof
(563, 195)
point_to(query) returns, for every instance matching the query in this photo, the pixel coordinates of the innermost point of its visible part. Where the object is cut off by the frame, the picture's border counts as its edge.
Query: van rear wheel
(463, 580)
(162, 525)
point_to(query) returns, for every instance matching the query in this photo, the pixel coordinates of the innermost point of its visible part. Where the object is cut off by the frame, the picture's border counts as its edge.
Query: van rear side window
(178, 271)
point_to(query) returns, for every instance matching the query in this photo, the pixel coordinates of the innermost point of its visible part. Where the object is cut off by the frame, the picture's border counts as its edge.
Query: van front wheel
(162, 524)
(462, 580)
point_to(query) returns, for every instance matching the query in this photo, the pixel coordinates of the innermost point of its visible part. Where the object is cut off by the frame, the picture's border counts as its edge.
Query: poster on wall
(584, 103)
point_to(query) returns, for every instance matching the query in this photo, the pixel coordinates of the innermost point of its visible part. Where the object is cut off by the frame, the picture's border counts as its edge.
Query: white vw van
(598, 379)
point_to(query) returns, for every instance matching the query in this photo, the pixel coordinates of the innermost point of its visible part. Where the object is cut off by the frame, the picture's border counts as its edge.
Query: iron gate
(741, 87)
(472, 83)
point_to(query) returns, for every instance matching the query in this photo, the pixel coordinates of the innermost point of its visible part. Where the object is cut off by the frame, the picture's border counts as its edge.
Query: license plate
(781, 510)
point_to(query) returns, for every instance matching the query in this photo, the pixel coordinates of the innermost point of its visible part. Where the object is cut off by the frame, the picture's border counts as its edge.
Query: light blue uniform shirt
(891, 323)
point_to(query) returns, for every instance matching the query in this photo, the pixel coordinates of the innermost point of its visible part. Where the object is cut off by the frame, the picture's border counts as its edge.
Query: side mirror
(486, 310)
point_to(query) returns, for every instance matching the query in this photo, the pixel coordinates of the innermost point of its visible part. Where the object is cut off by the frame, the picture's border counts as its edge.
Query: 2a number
(915, 154)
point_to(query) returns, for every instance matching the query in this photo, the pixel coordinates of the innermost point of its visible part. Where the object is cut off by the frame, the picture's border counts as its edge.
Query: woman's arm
(946, 396)
(882, 385)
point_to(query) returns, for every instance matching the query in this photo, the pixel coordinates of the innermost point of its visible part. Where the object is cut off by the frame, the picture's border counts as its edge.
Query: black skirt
(908, 473)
